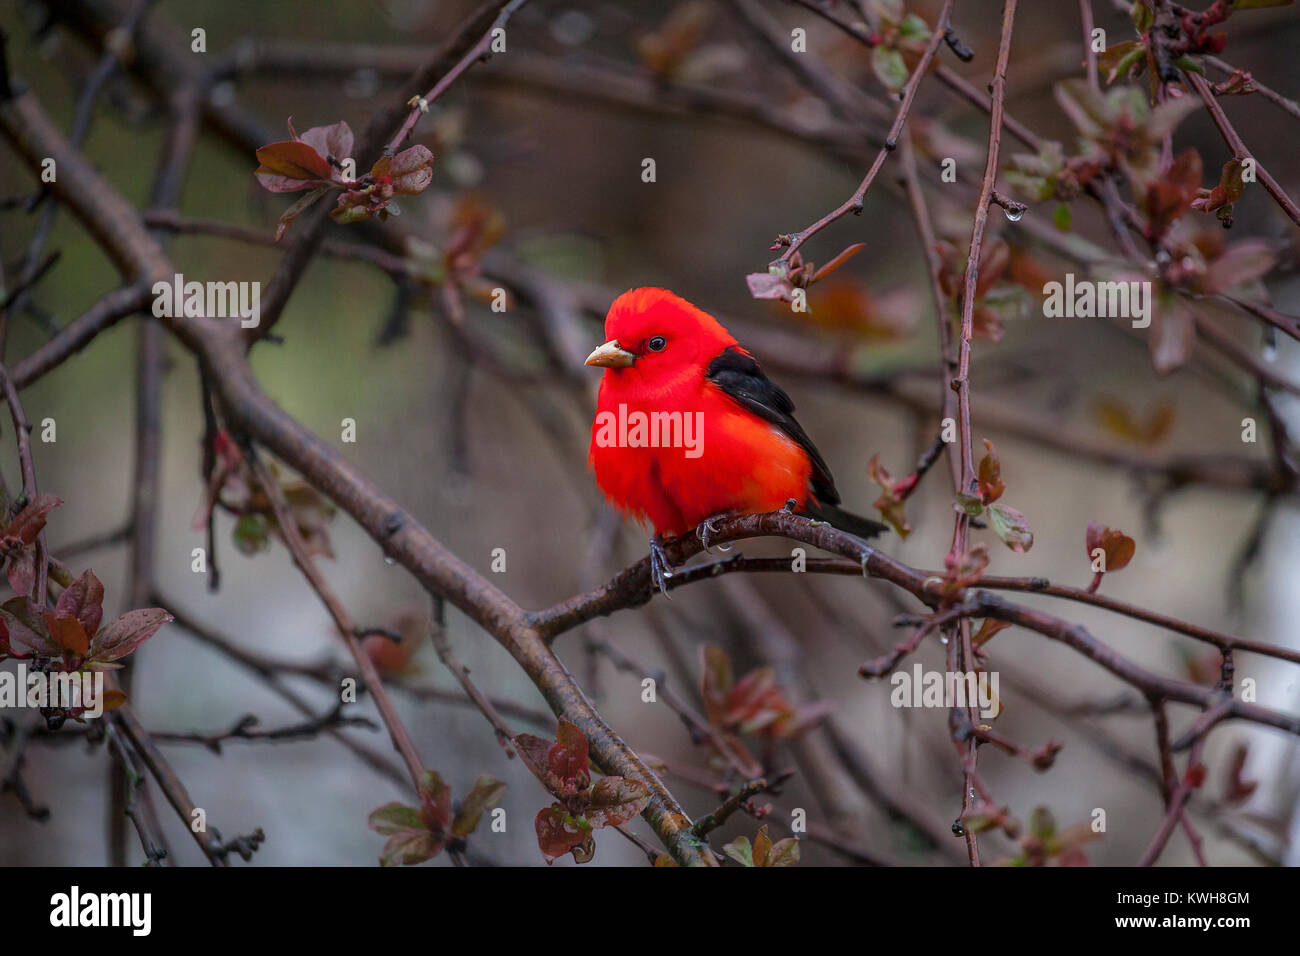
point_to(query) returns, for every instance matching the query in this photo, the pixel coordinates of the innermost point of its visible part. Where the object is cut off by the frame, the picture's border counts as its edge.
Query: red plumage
(664, 355)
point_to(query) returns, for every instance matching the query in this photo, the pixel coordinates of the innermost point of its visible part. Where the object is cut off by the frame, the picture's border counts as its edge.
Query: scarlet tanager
(689, 429)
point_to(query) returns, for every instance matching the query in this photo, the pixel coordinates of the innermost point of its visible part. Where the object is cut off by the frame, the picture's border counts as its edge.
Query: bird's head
(657, 337)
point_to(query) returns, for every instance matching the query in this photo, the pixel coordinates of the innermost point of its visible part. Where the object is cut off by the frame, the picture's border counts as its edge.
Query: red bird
(689, 429)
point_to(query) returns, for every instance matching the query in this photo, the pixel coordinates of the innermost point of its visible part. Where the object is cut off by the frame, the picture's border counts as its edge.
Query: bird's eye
(657, 343)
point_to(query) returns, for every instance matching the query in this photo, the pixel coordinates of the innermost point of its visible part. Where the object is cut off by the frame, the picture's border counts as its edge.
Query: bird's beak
(610, 355)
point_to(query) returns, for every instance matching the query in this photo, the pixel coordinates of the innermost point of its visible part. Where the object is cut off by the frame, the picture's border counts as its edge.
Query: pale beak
(610, 355)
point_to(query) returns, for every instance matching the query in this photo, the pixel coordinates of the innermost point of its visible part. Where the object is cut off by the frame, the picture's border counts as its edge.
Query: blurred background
(474, 430)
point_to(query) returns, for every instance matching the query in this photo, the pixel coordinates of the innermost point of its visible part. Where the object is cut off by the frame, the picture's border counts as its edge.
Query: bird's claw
(706, 530)
(660, 569)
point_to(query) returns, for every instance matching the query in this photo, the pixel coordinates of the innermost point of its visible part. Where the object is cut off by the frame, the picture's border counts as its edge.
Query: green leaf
(487, 791)
(1061, 217)
(889, 68)
(1042, 824)
(969, 504)
(913, 29)
(395, 818)
(784, 852)
(1115, 61)
(740, 850)
(410, 847)
(297, 209)
(1011, 526)
(251, 534)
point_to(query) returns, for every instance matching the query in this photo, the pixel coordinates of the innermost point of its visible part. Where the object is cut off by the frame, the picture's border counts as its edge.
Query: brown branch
(80, 332)
(794, 241)
(961, 384)
(288, 528)
(1177, 802)
(747, 791)
(124, 720)
(1239, 150)
(1277, 99)
(448, 63)
(249, 412)
(1085, 16)
(481, 50)
(438, 634)
(23, 438)
(631, 588)
(247, 728)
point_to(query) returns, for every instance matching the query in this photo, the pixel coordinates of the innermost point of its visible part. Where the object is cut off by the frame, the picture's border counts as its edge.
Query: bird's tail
(844, 520)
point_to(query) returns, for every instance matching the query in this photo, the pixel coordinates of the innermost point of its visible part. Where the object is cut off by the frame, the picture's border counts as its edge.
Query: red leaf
(67, 633)
(329, 141)
(716, 682)
(435, 801)
(273, 182)
(990, 476)
(127, 633)
(27, 628)
(749, 697)
(535, 753)
(294, 160)
(567, 759)
(557, 832)
(22, 572)
(29, 522)
(84, 600)
(1117, 548)
(412, 171)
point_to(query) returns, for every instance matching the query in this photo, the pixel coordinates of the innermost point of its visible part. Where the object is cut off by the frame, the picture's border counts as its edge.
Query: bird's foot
(660, 569)
(789, 506)
(706, 530)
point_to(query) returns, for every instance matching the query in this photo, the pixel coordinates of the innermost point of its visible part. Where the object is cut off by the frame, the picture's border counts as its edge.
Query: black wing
(742, 379)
